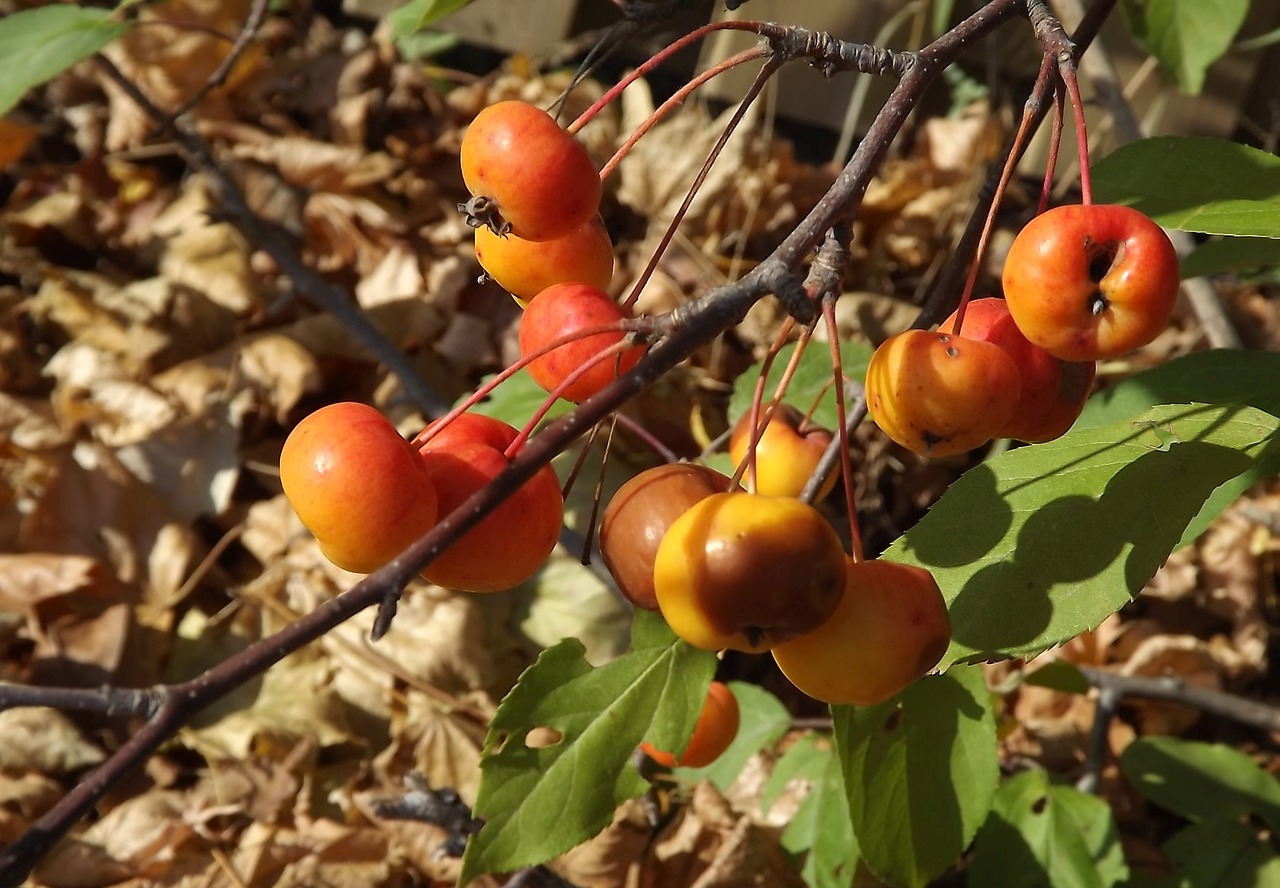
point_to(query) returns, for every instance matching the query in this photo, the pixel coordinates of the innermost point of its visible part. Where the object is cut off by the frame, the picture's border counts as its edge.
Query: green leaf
(763, 722)
(1041, 833)
(1224, 854)
(920, 772)
(1186, 36)
(1059, 676)
(812, 382)
(418, 14)
(820, 829)
(1220, 377)
(516, 399)
(1037, 545)
(539, 803)
(1232, 254)
(39, 44)
(1201, 781)
(1195, 184)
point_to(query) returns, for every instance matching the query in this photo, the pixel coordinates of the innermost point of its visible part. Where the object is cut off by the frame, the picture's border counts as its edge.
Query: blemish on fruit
(1100, 263)
(1038, 806)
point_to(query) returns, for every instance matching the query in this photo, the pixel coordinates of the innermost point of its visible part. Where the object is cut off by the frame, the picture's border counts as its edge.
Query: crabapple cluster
(535, 209)
(1081, 284)
(752, 571)
(765, 571)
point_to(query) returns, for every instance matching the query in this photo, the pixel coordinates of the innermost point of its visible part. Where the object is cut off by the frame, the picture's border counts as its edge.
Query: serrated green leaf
(1041, 833)
(820, 829)
(1035, 546)
(39, 44)
(418, 14)
(812, 382)
(1186, 36)
(1220, 376)
(920, 772)
(763, 722)
(1221, 853)
(1195, 184)
(1201, 781)
(516, 399)
(539, 803)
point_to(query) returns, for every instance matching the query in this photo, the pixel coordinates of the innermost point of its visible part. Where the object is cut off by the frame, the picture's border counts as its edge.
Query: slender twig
(257, 12)
(278, 244)
(105, 700)
(1114, 688)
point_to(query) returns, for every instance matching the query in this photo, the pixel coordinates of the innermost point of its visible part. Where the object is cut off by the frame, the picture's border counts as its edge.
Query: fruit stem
(766, 71)
(1055, 142)
(612, 351)
(842, 431)
(1063, 50)
(652, 62)
(650, 440)
(1067, 68)
(747, 55)
(758, 418)
(1020, 138)
(644, 326)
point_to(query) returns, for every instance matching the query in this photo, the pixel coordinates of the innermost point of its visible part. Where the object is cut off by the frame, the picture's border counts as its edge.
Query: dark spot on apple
(1101, 258)
(953, 352)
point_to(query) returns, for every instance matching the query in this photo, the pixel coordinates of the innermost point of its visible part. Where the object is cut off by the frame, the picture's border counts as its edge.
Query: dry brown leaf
(295, 700)
(314, 165)
(1233, 584)
(171, 59)
(43, 740)
(15, 138)
(23, 798)
(92, 505)
(441, 746)
(454, 642)
(193, 464)
(605, 860)
(711, 845)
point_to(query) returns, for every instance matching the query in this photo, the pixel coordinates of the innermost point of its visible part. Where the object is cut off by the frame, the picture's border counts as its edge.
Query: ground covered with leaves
(152, 361)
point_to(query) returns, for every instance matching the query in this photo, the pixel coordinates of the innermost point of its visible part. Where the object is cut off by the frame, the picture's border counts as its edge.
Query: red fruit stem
(643, 326)
(846, 462)
(646, 437)
(1025, 127)
(652, 62)
(593, 520)
(747, 55)
(757, 85)
(612, 351)
(1055, 142)
(576, 470)
(753, 419)
(1067, 68)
